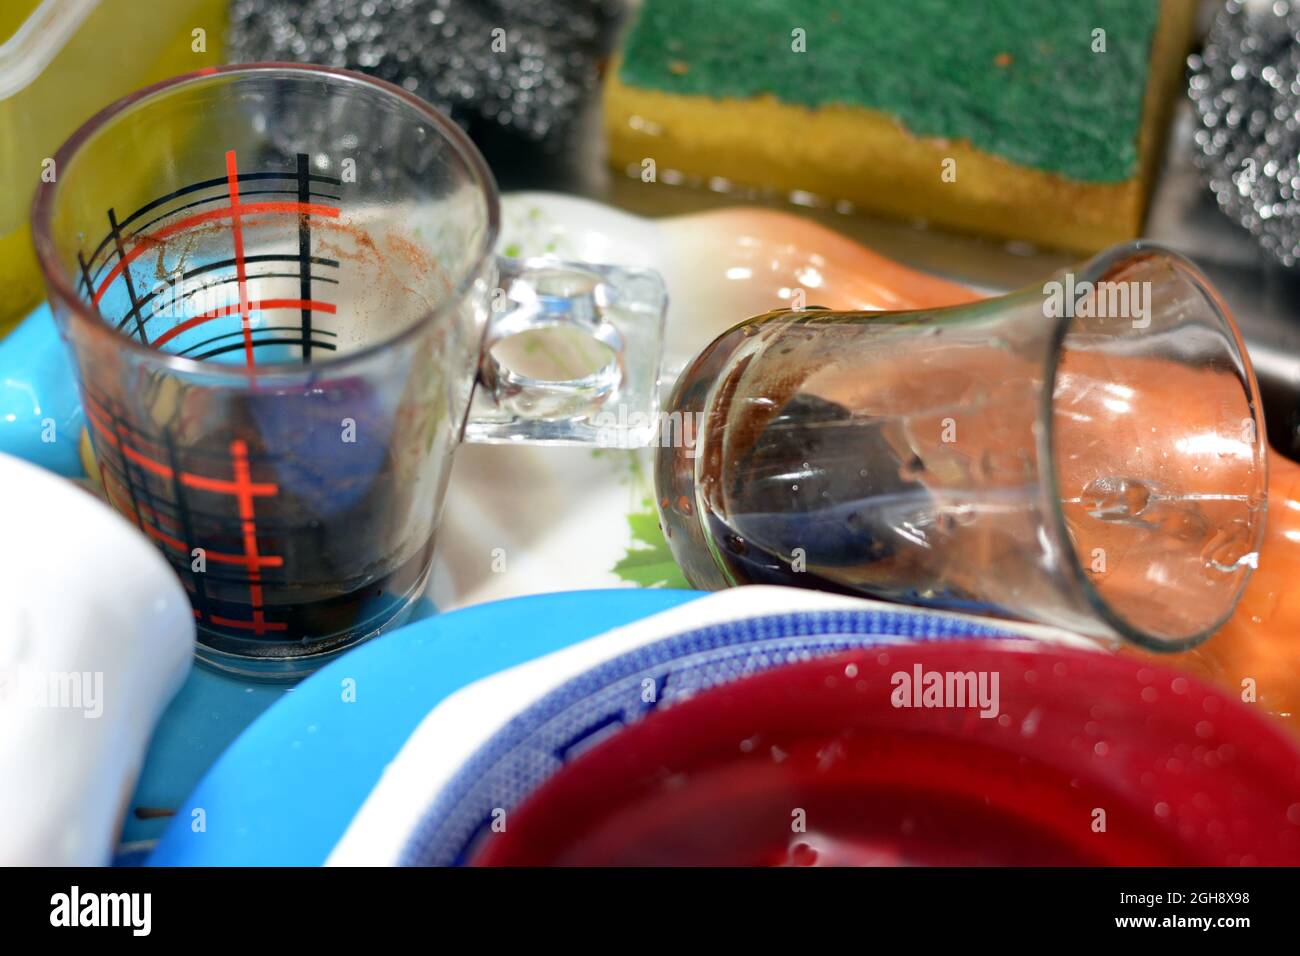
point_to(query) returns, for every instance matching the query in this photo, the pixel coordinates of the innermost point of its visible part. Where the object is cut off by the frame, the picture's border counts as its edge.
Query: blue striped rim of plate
(586, 710)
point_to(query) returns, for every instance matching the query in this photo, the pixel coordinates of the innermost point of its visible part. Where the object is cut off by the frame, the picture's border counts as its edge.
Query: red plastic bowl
(1092, 759)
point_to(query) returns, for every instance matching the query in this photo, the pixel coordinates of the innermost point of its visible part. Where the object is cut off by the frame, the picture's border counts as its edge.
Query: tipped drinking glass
(1088, 453)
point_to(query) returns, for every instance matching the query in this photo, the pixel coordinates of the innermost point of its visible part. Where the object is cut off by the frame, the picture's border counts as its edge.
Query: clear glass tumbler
(1088, 453)
(279, 289)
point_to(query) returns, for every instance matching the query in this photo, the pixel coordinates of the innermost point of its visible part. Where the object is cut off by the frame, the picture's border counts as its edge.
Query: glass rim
(58, 284)
(1094, 270)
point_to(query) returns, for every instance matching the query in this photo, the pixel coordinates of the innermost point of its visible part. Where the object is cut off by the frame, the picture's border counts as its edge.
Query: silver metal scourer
(1245, 86)
(532, 84)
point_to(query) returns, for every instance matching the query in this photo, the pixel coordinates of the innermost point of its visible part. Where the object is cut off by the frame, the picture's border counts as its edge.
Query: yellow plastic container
(60, 62)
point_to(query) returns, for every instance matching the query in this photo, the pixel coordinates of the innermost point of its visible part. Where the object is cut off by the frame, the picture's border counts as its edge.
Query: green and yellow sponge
(1025, 119)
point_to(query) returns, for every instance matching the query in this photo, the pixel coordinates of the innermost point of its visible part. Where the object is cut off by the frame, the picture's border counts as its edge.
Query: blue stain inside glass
(203, 318)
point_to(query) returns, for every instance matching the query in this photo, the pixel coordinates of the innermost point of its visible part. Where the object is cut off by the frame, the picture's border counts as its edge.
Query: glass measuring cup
(286, 320)
(1088, 453)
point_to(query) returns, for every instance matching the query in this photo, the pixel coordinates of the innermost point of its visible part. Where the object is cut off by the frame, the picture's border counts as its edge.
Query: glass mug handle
(571, 356)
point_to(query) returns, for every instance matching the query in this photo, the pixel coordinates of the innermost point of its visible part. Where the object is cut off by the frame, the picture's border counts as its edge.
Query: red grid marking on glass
(245, 491)
(257, 305)
(242, 487)
(142, 243)
(219, 557)
(157, 517)
(114, 496)
(237, 236)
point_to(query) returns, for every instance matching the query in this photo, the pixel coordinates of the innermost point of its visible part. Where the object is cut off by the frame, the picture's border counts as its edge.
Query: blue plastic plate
(287, 788)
